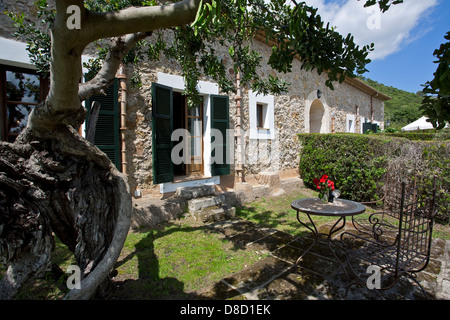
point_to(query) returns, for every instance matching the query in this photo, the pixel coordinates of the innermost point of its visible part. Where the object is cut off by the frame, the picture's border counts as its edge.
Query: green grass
(176, 260)
(183, 256)
(171, 262)
(277, 213)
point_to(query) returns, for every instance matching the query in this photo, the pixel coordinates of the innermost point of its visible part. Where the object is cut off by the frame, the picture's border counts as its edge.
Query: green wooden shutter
(107, 131)
(162, 127)
(220, 121)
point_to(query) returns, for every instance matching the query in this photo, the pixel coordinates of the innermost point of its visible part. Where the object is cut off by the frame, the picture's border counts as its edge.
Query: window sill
(192, 177)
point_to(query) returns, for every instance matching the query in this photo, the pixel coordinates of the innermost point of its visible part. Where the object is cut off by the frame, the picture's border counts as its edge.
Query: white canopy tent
(420, 124)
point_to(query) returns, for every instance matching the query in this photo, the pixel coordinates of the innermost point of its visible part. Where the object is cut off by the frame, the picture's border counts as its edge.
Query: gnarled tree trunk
(54, 181)
(63, 184)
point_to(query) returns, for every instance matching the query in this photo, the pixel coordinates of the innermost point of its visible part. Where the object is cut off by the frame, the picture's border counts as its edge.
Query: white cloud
(389, 31)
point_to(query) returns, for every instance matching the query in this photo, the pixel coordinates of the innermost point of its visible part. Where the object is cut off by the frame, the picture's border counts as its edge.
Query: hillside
(404, 106)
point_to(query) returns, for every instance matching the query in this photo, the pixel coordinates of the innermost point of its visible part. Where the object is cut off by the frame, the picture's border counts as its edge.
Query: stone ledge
(215, 214)
(199, 204)
(189, 193)
(149, 212)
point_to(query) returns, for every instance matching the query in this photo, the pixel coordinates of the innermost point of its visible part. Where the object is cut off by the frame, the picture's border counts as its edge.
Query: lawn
(176, 260)
(183, 256)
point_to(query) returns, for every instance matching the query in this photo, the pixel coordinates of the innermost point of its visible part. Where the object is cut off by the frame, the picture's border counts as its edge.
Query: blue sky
(405, 37)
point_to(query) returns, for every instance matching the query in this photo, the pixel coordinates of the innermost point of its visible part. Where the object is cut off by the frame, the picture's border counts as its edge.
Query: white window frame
(206, 89)
(352, 118)
(268, 102)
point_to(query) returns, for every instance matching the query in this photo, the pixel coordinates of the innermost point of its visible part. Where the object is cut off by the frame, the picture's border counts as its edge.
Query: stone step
(291, 183)
(189, 193)
(149, 212)
(198, 204)
(213, 214)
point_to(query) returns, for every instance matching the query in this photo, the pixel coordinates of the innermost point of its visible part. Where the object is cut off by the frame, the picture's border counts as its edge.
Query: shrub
(350, 160)
(358, 163)
(423, 136)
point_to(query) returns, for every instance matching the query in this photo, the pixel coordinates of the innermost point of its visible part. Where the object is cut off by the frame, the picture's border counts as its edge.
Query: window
(190, 119)
(350, 125)
(21, 91)
(262, 120)
(165, 119)
(107, 132)
(260, 116)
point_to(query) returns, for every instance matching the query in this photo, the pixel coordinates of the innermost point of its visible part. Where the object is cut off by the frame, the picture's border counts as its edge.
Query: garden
(178, 259)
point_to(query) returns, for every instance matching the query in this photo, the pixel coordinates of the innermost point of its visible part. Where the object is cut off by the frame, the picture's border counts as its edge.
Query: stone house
(135, 125)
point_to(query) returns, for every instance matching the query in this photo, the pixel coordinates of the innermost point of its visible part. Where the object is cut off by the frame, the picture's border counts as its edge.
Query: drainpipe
(238, 130)
(121, 75)
(371, 109)
(371, 106)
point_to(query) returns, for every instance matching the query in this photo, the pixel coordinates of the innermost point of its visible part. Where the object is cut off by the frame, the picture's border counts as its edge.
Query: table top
(340, 207)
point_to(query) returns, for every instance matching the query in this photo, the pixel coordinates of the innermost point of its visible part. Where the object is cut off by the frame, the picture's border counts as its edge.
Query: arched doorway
(316, 113)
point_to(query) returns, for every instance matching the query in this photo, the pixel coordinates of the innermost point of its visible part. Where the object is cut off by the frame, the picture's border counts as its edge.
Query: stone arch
(317, 114)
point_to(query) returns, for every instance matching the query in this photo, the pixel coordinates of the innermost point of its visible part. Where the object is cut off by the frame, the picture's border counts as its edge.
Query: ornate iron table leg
(335, 228)
(313, 231)
(330, 242)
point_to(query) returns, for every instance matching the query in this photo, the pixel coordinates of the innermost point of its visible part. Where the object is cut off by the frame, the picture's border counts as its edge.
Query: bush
(350, 160)
(358, 163)
(422, 136)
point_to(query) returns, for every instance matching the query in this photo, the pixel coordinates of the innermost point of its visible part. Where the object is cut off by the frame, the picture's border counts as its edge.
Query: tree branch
(138, 19)
(120, 47)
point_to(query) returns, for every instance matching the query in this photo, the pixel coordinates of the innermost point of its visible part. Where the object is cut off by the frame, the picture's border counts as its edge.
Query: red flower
(324, 183)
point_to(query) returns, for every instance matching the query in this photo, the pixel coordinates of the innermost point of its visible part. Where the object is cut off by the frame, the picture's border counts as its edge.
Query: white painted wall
(269, 123)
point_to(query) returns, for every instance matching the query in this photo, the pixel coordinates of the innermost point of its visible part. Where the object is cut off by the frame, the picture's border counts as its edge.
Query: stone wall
(291, 117)
(17, 6)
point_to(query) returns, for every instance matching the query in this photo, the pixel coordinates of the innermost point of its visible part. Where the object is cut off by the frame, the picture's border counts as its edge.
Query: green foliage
(436, 103)
(114, 5)
(436, 157)
(384, 4)
(37, 36)
(433, 101)
(352, 161)
(403, 108)
(420, 136)
(232, 24)
(357, 164)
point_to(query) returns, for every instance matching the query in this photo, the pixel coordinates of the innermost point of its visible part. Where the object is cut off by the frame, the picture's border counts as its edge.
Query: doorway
(190, 119)
(316, 114)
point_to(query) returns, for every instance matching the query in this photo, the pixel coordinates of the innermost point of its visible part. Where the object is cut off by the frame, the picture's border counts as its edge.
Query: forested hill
(404, 106)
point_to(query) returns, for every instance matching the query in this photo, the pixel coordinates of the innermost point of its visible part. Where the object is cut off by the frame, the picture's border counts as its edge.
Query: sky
(405, 37)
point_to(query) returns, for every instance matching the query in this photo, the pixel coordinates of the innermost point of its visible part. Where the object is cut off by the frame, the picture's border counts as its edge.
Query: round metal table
(339, 208)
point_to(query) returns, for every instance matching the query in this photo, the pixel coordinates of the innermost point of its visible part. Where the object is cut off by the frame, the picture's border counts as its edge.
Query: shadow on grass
(149, 285)
(285, 220)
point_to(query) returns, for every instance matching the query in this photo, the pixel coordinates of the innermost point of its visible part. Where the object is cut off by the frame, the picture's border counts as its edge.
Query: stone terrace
(318, 276)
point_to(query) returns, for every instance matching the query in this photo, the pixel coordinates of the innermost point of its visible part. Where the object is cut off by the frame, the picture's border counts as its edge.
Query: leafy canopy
(436, 103)
(293, 30)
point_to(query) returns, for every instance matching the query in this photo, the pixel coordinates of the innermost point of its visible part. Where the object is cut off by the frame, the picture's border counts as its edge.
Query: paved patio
(317, 277)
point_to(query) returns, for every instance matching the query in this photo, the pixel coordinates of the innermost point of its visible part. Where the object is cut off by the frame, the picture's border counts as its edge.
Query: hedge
(423, 136)
(358, 163)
